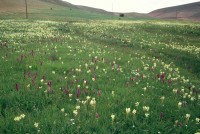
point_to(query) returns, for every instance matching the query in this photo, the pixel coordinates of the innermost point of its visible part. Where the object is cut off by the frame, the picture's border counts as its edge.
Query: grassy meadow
(99, 76)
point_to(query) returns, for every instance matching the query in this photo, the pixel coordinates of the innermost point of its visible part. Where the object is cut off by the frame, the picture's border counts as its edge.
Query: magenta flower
(85, 91)
(66, 91)
(43, 77)
(29, 74)
(78, 93)
(32, 53)
(33, 82)
(97, 116)
(24, 74)
(161, 115)
(162, 77)
(49, 84)
(99, 93)
(17, 87)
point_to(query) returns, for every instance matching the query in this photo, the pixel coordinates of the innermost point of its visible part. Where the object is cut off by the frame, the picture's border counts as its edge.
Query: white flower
(128, 110)
(36, 124)
(18, 118)
(113, 93)
(62, 110)
(146, 115)
(192, 98)
(112, 117)
(86, 65)
(84, 81)
(88, 97)
(134, 111)
(197, 120)
(42, 80)
(78, 107)
(70, 95)
(187, 116)
(84, 102)
(93, 102)
(22, 116)
(162, 98)
(179, 104)
(53, 72)
(175, 91)
(75, 112)
(146, 108)
(137, 104)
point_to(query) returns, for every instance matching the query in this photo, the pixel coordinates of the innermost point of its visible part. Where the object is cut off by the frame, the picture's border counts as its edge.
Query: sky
(140, 6)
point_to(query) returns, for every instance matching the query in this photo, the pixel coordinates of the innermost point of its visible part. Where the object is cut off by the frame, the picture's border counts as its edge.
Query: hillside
(188, 11)
(46, 10)
(56, 10)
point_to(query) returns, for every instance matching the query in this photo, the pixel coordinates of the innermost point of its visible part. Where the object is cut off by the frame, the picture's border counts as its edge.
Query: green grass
(124, 57)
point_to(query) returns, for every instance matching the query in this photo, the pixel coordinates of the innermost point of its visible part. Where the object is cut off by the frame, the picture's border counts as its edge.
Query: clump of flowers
(18, 118)
(93, 103)
(146, 109)
(134, 112)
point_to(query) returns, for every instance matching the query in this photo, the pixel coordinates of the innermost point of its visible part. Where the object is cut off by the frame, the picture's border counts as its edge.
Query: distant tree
(121, 15)
(26, 9)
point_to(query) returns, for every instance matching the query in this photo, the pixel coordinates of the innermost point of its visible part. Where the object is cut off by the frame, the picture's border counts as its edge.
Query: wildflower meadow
(99, 76)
